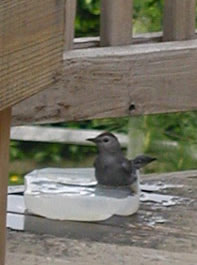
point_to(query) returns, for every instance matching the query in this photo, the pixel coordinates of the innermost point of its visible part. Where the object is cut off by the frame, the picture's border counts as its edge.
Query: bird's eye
(105, 140)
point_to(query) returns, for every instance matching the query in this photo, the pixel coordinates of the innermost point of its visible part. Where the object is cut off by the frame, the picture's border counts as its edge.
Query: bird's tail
(142, 160)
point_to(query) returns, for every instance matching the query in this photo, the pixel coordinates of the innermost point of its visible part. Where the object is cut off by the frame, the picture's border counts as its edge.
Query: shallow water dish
(72, 194)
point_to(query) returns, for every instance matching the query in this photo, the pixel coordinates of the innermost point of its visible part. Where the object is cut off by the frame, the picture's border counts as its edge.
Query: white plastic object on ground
(72, 194)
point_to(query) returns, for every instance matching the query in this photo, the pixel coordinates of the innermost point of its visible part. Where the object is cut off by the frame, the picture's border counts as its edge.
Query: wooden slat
(79, 136)
(156, 228)
(5, 117)
(59, 135)
(83, 252)
(93, 42)
(116, 22)
(31, 47)
(177, 230)
(69, 30)
(104, 82)
(179, 19)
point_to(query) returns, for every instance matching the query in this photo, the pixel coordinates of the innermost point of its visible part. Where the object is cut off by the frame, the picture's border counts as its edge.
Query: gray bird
(111, 167)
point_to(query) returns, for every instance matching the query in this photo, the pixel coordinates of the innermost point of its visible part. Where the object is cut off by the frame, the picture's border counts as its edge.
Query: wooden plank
(5, 118)
(31, 47)
(116, 22)
(179, 19)
(155, 226)
(69, 30)
(155, 78)
(93, 42)
(33, 249)
(59, 135)
(72, 136)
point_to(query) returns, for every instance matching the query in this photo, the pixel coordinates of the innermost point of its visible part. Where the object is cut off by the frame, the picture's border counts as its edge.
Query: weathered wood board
(31, 47)
(69, 30)
(59, 135)
(105, 82)
(154, 226)
(5, 120)
(93, 42)
(179, 19)
(157, 234)
(116, 22)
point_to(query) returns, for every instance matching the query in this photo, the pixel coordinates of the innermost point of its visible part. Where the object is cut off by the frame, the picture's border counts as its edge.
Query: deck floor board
(164, 235)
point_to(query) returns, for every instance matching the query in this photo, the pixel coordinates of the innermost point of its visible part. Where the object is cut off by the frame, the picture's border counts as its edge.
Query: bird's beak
(91, 140)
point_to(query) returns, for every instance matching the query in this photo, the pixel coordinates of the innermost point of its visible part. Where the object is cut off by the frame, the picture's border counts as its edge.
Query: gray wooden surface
(155, 78)
(77, 136)
(31, 47)
(92, 42)
(59, 135)
(69, 25)
(179, 19)
(155, 235)
(116, 22)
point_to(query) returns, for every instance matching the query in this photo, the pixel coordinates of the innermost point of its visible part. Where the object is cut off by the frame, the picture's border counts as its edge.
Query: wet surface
(157, 234)
(158, 186)
(155, 196)
(163, 199)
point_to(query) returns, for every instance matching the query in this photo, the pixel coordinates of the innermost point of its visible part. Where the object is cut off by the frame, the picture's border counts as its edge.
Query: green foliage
(147, 16)
(15, 151)
(87, 20)
(179, 128)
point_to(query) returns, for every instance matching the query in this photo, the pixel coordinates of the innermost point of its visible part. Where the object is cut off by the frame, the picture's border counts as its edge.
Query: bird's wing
(126, 165)
(130, 169)
(142, 160)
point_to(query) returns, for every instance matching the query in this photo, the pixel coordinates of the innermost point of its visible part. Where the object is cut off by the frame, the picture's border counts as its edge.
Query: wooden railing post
(69, 24)
(179, 20)
(116, 30)
(5, 118)
(116, 22)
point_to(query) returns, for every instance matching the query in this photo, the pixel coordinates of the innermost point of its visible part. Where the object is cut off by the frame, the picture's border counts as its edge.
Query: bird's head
(142, 160)
(106, 142)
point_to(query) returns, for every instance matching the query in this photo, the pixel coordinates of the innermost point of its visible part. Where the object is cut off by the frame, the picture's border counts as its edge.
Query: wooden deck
(136, 79)
(155, 235)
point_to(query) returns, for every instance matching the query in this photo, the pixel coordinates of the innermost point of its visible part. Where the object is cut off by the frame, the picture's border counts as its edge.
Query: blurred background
(172, 138)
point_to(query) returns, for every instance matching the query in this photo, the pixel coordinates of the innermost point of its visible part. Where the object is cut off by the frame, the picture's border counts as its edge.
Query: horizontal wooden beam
(94, 42)
(59, 135)
(118, 81)
(76, 136)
